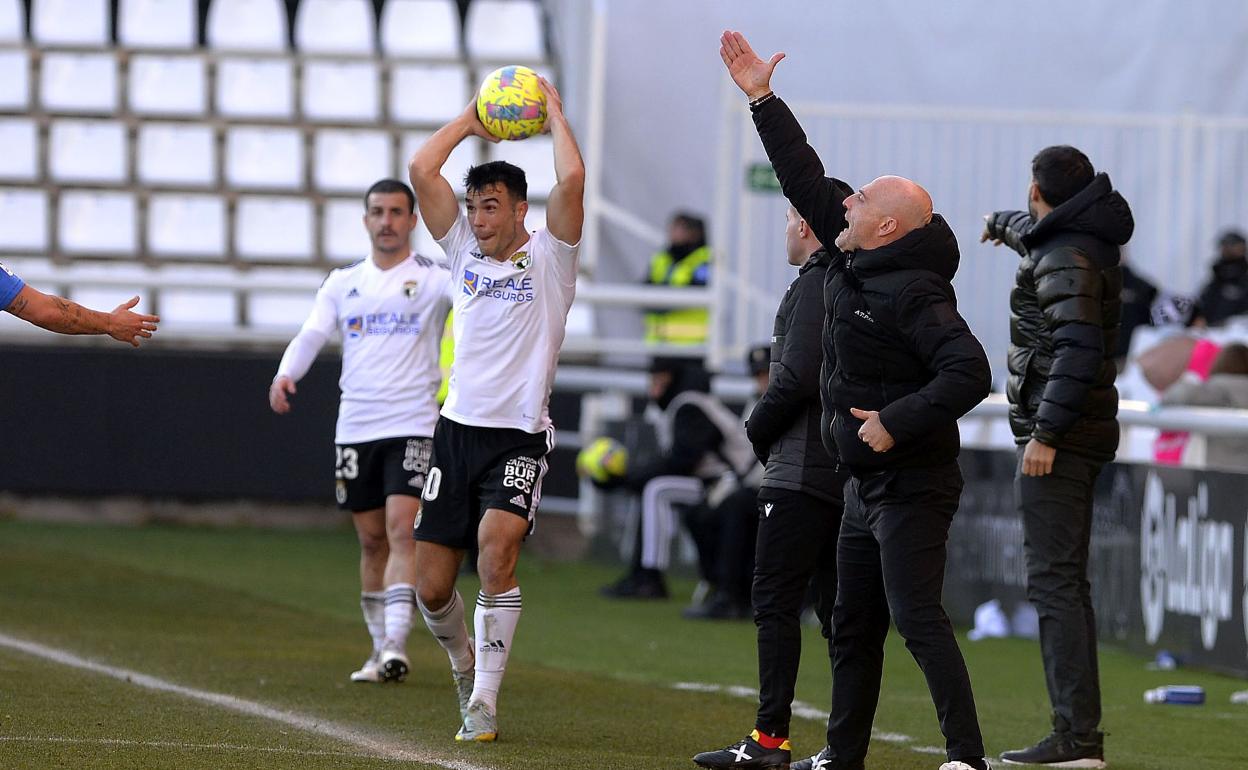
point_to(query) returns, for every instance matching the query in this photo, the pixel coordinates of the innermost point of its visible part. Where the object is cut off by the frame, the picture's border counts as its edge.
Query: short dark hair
(693, 222)
(387, 186)
(1060, 172)
(1232, 238)
(498, 172)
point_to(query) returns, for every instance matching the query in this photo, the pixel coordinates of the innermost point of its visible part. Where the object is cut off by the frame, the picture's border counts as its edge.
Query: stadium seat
(180, 154)
(279, 310)
(186, 225)
(504, 31)
(88, 151)
(341, 91)
(14, 81)
(79, 83)
(12, 21)
(264, 157)
(93, 222)
(335, 27)
(180, 308)
(536, 156)
(168, 85)
(247, 25)
(23, 219)
(428, 93)
(421, 29)
(69, 23)
(20, 139)
(349, 161)
(269, 228)
(255, 88)
(156, 23)
(342, 230)
(468, 153)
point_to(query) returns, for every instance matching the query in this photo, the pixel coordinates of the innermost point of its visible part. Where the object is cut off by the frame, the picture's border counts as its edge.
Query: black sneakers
(746, 753)
(820, 761)
(1062, 749)
(638, 584)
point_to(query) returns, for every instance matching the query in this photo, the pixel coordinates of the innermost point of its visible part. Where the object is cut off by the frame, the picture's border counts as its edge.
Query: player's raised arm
(64, 316)
(434, 195)
(565, 211)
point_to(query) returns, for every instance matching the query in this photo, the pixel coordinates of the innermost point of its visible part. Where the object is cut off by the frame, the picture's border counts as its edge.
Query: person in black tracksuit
(800, 501)
(1064, 324)
(703, 457)
(901, 367)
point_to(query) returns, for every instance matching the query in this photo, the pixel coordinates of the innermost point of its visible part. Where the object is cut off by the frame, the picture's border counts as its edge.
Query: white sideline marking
(374, 746)
(171, 745)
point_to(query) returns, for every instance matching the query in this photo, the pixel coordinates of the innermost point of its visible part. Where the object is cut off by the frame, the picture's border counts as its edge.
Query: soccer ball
(510, 103)
(602, 460)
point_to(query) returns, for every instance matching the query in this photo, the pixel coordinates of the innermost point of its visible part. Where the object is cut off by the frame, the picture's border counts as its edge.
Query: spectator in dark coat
(1226, 293)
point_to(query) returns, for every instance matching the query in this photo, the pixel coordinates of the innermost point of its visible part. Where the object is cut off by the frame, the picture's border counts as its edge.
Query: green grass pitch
(273, 618)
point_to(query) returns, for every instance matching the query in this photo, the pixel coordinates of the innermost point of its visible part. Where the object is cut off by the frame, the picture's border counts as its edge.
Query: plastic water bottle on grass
(1179, 694)
(1240, 698)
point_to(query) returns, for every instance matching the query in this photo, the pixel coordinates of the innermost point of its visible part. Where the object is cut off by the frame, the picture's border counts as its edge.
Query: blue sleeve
(10, 285)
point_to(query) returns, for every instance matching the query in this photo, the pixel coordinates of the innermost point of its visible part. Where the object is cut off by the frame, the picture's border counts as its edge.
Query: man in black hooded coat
(1064, 322)
(900, 367)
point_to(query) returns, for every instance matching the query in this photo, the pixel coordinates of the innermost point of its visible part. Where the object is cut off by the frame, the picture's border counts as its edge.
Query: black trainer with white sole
(1062, 749)
(746, 753)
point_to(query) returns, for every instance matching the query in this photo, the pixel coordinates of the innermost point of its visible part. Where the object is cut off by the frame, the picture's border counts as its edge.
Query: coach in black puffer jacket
(901, 367)
(1065, 311)
(1064, 314)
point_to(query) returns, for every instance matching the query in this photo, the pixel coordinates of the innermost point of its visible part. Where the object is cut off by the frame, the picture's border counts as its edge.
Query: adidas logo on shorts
(520, 501)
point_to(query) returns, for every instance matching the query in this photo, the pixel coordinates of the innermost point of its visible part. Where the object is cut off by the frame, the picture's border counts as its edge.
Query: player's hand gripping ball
(511, 104)
(604, 460)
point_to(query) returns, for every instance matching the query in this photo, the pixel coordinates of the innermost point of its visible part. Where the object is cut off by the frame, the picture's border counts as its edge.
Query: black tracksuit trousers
(796, 542)
(891, 560)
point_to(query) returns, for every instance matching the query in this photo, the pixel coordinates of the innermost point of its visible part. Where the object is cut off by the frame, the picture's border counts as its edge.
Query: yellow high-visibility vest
(446, 356)
(681, 326)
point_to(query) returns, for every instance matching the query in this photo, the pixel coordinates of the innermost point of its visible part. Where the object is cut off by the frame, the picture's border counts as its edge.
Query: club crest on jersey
(355, 327)
(410, 288)
(522, 260)
(470, 282)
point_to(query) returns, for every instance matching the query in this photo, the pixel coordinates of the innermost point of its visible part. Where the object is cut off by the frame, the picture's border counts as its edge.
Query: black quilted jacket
(1064, 316)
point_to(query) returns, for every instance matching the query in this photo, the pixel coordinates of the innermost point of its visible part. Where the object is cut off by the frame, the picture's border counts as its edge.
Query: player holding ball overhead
(490, 444)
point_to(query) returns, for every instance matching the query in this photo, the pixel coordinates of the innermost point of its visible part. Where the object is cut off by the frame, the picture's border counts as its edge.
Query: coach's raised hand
(751, 74)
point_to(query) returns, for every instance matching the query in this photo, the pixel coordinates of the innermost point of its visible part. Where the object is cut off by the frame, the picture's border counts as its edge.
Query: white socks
(495, 620)
(447, 626)
(373, 605)
(398, 613)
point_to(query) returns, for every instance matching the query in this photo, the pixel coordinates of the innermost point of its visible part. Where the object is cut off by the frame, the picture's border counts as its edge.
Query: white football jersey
(509, 326)
(391, 323)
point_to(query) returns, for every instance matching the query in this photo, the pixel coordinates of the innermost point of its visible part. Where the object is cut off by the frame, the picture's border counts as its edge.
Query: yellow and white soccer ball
(511, 104)
(602, 460)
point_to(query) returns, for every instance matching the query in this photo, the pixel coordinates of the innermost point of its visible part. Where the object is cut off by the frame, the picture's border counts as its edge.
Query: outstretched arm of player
(438, 205)
(565, 210)
(64, 316)
(302, 350)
